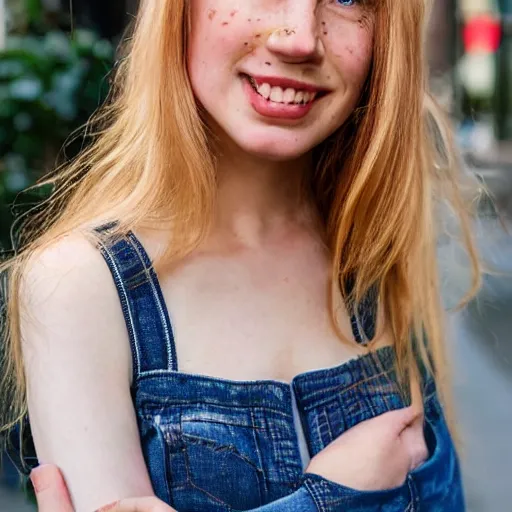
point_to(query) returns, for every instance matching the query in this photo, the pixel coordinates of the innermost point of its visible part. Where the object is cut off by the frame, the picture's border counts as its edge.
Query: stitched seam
(158, 302)
(328, 423)
(125, 305)
(211, 496)
(335, 389)
(363, 381)
(152, 401)
(413, 494)
(258, 452)
(219, 447)
(223, 423)
(161, 407)
(317, 428)
(166, 460)
(193, 485)
(313, 494)
(156, 372)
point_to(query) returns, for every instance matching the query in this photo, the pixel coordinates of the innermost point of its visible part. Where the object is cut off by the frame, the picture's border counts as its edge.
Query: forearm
(317, 494)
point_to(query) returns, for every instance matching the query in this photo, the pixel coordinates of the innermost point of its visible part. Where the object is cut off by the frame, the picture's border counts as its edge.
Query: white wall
(2, 23)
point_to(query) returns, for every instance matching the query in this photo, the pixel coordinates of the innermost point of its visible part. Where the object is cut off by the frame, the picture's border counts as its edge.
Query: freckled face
(323, 45)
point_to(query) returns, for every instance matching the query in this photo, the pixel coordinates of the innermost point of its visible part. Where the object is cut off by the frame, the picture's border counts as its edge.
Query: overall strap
(143, 305)
(363, 316)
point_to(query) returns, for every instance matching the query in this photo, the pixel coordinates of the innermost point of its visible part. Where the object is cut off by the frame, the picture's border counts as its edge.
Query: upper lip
(285, 83)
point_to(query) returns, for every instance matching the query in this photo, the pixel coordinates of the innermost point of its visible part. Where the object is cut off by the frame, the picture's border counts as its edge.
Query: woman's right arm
(78, 366)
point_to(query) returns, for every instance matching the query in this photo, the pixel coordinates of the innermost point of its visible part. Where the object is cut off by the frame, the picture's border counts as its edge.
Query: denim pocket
(333, 411)
(213, 460)
(332, 497)
(438, 481)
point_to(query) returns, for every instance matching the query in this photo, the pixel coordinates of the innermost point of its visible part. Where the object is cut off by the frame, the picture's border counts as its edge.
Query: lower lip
(268, 108)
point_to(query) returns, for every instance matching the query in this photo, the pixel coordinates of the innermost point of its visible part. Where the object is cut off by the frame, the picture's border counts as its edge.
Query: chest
(258, 316)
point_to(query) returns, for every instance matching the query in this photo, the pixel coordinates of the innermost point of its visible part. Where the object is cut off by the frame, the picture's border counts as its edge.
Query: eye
(347, 3)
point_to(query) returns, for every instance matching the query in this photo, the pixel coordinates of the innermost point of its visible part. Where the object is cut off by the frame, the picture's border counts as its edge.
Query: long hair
(378, 182)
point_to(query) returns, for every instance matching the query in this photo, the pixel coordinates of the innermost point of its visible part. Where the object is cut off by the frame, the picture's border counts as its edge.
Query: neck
(258, 199)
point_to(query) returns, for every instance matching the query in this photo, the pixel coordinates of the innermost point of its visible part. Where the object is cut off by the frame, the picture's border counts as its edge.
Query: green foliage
(49, 86)
(34, 10)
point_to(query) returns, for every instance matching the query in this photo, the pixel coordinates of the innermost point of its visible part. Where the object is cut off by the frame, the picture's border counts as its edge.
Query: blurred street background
(50, 83)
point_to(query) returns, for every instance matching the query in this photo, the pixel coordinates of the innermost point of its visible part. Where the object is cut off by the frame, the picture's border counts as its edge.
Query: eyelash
(347, 3)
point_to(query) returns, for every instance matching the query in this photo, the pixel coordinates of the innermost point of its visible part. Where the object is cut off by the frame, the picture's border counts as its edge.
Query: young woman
(231, 299)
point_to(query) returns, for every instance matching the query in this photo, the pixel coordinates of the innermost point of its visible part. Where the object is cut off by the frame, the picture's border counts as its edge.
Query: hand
(376, 454)
(149, 504)
(53, 496)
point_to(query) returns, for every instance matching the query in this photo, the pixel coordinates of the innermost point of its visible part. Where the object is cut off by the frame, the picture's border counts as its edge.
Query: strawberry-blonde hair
(379, 182)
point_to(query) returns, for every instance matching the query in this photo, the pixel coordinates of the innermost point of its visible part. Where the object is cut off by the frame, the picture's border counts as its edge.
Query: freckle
(323, 22)
(268, 63)
(233, 13)
(246, 44)
(211, 13)
(249, 20)
(259, 19)
(257, 35)
(350, 50)
(325, 33)
(225, 23)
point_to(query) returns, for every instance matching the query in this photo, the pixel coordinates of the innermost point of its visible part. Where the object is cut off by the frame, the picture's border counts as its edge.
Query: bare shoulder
(69, 301)
(77, 359)
(72, 257)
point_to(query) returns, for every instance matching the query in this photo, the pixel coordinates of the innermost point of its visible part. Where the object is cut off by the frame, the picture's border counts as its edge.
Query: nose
(296, 38)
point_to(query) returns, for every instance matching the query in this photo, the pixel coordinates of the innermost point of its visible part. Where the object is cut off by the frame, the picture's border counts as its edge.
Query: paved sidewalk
(14, 501)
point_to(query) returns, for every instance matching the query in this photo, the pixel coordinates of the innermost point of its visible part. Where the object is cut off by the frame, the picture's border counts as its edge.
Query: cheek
(222, 32)
(352, 52)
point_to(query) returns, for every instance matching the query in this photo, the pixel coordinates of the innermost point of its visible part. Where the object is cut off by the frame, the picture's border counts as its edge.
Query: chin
(274, 147)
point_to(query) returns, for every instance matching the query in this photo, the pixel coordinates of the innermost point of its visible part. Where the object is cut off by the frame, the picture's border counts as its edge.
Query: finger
(51, 491)
(148, 504)
(413, 439)
(401, 419)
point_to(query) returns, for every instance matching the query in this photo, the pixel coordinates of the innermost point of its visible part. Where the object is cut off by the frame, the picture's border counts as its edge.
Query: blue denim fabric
(217, 445)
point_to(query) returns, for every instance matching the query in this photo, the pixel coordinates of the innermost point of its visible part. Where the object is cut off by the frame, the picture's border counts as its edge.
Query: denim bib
(217, 445)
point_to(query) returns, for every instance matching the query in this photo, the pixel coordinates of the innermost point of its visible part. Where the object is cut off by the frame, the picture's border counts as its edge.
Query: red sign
(482, 34)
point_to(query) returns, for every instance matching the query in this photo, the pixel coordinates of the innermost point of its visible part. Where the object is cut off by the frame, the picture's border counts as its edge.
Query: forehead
(234, 7)
(226, 13)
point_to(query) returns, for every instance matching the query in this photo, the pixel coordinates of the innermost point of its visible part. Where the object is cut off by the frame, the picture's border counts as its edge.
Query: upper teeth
(280, 95)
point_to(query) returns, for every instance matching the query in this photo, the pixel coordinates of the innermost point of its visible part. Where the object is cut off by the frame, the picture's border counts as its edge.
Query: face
(279, 76)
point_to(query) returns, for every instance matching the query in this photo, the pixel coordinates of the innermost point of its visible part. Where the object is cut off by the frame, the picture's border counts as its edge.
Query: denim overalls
(215, 445)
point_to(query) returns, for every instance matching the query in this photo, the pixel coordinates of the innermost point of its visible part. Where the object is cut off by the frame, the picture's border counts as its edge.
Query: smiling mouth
(283, 95)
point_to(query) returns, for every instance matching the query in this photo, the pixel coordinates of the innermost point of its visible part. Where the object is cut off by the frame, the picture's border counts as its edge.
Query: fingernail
(108, 507)
(41, 478)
